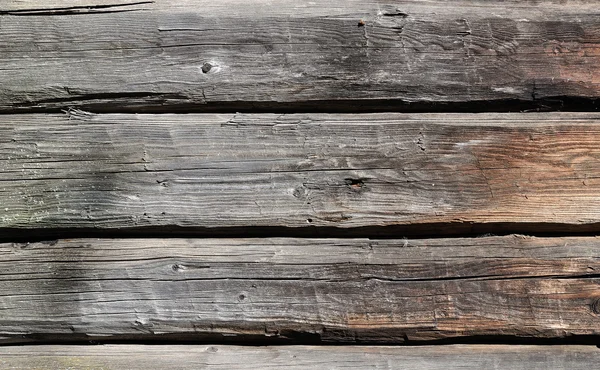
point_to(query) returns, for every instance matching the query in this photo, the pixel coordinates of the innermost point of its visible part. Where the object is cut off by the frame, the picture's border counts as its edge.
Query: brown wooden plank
(300, 357)
(399, 174)
(300, 290)
(355, 55)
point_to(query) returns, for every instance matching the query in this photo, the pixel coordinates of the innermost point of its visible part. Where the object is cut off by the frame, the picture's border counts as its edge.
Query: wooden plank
(300, 290)
(300, 357)
(394, 174)
(352, 54)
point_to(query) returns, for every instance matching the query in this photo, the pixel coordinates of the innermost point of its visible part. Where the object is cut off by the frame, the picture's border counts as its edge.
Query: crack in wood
(78, 114)
(395, 13)
(82, 98)
(76, 10)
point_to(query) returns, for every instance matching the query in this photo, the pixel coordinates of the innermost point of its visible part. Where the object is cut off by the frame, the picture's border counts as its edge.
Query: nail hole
(309, 220)
(355, 184)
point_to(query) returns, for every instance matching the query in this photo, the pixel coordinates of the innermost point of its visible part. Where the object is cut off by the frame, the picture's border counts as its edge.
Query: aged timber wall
(201, 175)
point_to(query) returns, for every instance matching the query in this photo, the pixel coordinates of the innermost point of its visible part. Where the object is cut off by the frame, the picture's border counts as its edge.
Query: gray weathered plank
(199, 54)
(299, 290)
(461, 173)
(300, 357)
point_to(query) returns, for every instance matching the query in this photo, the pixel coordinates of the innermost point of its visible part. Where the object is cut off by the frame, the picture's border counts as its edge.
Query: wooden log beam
(299, 357)
(361, 175)
(300, 290)
(205, 55)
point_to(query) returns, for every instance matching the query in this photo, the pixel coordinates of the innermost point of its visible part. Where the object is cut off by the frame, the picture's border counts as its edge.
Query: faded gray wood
(167, 55)
(300, 357)
(299, 290)
(400, 174)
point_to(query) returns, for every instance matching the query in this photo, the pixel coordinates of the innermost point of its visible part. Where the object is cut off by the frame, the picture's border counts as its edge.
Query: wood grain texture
(300, 290)
(400, 174)
(124, 55)
(300, 357)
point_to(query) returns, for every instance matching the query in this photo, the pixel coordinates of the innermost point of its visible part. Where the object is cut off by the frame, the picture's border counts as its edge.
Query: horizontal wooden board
(393, 174)
(300, 357)
(300, 290)
(203, 55)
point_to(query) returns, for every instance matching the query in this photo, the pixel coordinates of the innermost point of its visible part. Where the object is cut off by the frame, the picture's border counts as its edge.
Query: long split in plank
(299, 175)
(335, 55)
(300, 290)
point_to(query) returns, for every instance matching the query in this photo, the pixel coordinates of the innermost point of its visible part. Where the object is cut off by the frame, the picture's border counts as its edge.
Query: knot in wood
(595, 306)
(206, 67)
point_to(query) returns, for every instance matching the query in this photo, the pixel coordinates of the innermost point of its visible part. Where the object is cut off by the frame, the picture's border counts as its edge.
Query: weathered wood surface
(300, 357)
(300, 290)
(400, 174)
(164, 55)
